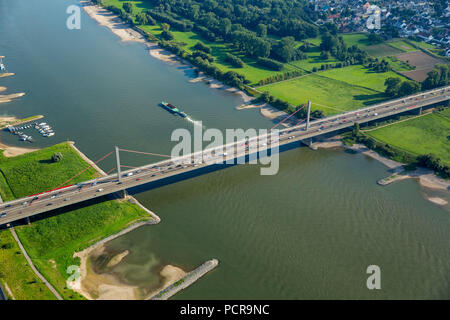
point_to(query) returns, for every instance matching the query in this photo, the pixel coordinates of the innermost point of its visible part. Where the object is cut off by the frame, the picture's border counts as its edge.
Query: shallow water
(308, 232)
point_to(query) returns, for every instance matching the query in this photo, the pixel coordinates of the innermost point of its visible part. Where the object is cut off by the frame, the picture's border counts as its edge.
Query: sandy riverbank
(106, 286)
(10, 151)
(426, 178)
(9, 97)
(6, 74)
(112, 22)
(126, 33)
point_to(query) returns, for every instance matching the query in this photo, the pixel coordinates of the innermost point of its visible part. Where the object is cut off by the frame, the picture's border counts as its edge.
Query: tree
(324, 55)
(142, 18)
(128, 7)
(57, 156)
(408, 87)
(202, 47)
(392, 86)
(261, 30)
(165, 26)
(167, 35)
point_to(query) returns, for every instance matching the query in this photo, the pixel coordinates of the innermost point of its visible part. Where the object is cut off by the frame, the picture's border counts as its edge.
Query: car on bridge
(3, 214)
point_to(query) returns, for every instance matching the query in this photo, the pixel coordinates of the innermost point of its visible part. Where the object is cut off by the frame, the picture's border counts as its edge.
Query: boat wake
(195, 122)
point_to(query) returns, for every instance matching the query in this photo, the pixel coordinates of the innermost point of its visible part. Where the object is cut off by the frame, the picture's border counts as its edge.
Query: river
(308, 232)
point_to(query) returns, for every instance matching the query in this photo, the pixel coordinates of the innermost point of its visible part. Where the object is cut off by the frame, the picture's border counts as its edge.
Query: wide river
(308, 232)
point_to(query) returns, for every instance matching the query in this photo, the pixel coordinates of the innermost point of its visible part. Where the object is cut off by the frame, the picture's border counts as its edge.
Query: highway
(47, 201)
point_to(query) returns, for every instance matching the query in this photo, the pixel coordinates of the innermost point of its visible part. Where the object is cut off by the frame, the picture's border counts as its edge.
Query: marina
(43, 128)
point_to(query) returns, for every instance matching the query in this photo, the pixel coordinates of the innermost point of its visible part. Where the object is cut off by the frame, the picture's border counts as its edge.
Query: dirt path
(49, 286)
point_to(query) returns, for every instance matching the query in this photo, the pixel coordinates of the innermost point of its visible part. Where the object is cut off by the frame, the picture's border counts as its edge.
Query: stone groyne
(186, 281)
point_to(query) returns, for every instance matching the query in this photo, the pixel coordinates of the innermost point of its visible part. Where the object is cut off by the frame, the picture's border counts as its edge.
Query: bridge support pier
(420, 111)
(28, 220)
(122, 194)
(309, 143)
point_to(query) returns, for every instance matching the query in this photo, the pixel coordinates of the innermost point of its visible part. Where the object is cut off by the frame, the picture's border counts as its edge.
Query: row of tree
(396, 87)
(234, 61)
(280, 77)
(336, 46)
(438, 77)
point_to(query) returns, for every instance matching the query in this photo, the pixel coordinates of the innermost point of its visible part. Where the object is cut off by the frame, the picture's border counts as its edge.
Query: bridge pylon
(118, 163)
(308, 115)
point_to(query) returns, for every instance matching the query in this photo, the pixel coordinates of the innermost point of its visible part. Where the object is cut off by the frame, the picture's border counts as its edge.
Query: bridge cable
(287, 118)
(91, 165)
(149, 153)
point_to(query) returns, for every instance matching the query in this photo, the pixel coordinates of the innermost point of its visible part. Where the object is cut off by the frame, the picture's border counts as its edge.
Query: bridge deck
(30, 206)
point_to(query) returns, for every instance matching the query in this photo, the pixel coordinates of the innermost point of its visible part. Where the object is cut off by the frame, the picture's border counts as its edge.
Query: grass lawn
(331, 96)
(51, 242)
(402, 45)
(313, 60)
(361, 76)
(360, 39)
(17, 274)
(427, 134)
(423, 44)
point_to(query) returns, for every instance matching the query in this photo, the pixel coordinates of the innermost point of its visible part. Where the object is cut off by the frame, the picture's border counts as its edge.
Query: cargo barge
(173, 109)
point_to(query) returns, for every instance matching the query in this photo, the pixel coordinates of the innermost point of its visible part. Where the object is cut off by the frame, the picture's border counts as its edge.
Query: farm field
(427, 134)
(331, 96)
(51, 242)
(422, 61)
(382, 50)
(402, 45)
(398, 65)
(358, 75)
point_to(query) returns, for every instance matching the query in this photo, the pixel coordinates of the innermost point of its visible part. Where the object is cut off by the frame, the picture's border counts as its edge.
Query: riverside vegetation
(277, 48)
(51, 242)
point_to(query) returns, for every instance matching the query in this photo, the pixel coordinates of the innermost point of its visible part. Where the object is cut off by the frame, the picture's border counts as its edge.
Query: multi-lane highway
(39, 203)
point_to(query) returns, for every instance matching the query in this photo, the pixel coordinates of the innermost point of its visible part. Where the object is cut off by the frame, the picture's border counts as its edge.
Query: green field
(329, 95)
(427, 134)
(382, 50)
(398, 65)
(422, 44)
(51, 242)
(251, 70)
(360, 76)
(313, 60)
(402, 45)
(24, 285)
(360, 39)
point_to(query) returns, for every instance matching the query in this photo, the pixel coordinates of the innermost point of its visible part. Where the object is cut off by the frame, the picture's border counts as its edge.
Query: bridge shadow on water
(201, 171)
(145, 187)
